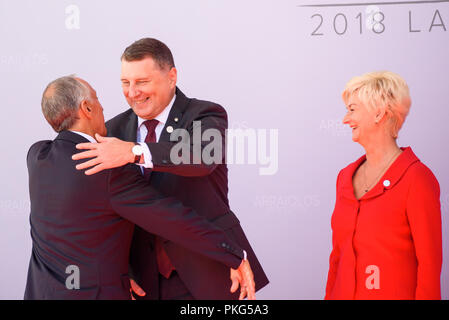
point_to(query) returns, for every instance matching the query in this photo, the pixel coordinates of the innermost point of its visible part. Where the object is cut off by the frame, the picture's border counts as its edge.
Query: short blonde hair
(385, 90)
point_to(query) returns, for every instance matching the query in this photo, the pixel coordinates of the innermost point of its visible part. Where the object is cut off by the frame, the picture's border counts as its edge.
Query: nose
(133, 91)
(346, 118)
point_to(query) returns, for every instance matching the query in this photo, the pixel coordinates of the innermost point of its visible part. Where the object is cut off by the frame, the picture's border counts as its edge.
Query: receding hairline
(86, 84)
(50, 90)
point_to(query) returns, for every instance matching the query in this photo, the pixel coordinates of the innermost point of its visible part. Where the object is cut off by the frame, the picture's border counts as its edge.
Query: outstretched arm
(199, 158)
(135, 200)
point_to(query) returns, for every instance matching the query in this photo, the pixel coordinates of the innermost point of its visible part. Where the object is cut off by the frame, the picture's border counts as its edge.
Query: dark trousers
(173, 288)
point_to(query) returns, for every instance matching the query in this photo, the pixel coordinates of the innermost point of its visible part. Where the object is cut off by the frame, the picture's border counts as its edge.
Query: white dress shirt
(85, 135)
(142, 132)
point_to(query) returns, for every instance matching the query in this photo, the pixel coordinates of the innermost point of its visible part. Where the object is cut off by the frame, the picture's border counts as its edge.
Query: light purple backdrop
(259, 60)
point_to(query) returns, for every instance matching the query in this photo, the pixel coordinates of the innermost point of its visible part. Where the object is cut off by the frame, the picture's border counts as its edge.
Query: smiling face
(360, 118)
(147, 87)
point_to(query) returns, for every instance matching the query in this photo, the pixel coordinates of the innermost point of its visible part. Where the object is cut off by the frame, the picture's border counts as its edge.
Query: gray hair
(61, 100)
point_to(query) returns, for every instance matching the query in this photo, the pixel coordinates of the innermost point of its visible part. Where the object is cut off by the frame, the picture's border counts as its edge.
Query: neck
(80, 127)
(381, 151)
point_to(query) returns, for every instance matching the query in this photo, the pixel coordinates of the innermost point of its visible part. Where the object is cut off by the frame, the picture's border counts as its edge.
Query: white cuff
(146, 156)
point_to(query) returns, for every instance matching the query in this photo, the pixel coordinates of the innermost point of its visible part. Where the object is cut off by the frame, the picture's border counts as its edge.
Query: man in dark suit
(82, 226)
(159, 108)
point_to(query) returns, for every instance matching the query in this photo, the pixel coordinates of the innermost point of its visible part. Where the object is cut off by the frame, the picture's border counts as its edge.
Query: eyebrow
(139, 79)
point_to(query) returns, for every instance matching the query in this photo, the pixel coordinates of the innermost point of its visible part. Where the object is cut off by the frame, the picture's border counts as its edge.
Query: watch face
(137, 150)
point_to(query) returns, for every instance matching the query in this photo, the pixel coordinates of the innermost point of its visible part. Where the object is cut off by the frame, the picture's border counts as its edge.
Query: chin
(142, 109)
(141, 112)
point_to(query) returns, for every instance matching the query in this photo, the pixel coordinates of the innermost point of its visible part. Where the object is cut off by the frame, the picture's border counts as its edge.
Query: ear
(380, 114)
(173, 77)
(85, 110)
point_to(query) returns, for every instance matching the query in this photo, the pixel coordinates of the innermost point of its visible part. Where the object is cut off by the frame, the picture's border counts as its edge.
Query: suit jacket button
(387, 183)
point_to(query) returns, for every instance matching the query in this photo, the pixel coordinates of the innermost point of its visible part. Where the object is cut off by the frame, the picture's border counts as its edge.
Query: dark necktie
(163, 262)
(151, 137)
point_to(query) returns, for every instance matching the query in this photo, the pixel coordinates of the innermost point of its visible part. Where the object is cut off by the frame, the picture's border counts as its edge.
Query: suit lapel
(127, 127)
(392, 175)
(130, 128)
(176, 114)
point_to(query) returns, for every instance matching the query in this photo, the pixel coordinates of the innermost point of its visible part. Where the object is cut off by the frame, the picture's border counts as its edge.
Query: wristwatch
(137, 150)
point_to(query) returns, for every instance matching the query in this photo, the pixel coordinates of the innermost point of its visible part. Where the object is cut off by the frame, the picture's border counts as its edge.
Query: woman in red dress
(387, 218)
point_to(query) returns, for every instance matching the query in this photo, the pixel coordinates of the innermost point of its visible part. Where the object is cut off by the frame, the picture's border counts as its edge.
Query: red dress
(387, 244)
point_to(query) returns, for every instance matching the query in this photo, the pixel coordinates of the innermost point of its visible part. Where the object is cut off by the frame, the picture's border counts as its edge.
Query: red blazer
(387, 244)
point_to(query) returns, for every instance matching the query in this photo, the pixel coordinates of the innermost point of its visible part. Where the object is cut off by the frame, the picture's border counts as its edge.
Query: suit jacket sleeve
(424, 216)
(135, 200)
(212, 116)
(333, 260)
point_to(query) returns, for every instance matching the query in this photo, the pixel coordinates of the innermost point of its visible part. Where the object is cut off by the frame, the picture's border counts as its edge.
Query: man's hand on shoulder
(108, 153)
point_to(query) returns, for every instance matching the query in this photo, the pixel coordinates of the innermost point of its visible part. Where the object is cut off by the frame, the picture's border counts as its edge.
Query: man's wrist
(131, 156)
(146, 159)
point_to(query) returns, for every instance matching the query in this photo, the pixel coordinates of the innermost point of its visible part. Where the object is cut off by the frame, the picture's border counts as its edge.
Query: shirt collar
(161, 117)
(85, 135)
(393, 175)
